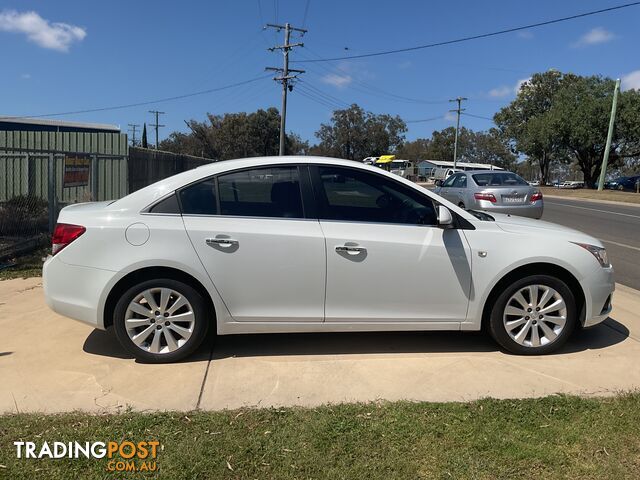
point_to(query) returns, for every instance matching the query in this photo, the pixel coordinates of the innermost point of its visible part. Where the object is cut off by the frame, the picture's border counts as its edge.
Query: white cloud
(506, 91)
(55, 36)
(450, 116)
(519, 84)
(500, 92)
(631, 81)
(594, 36)
(525, 34)
(338, 81)
(25, 76)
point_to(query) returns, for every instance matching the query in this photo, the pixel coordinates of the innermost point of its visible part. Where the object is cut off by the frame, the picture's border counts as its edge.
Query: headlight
(599, 252)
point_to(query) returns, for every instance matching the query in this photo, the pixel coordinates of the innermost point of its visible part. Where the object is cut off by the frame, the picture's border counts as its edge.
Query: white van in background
(443, 173)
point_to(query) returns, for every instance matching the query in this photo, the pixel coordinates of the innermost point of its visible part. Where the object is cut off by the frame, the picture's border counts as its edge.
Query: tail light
(490, 197)
(535, 197)
(64, 234)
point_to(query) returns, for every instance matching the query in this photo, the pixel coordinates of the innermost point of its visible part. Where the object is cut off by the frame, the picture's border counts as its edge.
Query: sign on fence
(76, 170)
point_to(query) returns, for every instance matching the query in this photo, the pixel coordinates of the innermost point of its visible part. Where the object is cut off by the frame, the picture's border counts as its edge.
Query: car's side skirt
(230, 328)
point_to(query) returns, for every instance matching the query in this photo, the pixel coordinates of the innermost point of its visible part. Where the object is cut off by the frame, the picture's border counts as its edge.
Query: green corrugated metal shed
(72, 142)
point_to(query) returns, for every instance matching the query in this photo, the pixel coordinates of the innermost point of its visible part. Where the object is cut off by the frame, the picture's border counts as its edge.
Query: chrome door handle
(223, 242)
(350, 249)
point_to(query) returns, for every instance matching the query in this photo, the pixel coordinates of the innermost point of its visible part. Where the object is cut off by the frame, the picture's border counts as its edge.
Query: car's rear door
(259, 242)
(387, 261)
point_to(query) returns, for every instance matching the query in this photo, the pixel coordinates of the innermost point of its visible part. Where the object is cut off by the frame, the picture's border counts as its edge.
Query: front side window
(353, 195)
(261, 192)
(449, 181)
(460, 181)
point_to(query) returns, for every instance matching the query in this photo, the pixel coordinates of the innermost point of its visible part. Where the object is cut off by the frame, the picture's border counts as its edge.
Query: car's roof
(487, 171)
(149, 194)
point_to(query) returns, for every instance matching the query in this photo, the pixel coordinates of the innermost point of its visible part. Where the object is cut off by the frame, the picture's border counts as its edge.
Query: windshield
(498, 179)
(481, 216)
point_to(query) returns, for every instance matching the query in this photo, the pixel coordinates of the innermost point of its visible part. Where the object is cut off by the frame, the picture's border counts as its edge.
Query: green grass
(553, 437)
(28, 265)
(588, 194)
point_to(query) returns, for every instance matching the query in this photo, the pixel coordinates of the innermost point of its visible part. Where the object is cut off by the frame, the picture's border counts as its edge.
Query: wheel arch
(539, 268)
(149, 273)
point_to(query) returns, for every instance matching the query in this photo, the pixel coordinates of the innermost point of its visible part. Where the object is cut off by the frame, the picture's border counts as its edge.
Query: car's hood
(529, 226)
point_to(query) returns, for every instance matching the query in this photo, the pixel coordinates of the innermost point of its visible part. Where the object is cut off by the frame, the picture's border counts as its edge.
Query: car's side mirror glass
(445, 218)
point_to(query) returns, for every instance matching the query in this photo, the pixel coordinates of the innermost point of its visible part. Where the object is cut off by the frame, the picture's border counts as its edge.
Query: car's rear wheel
(160, 321)
(461, 205)
(534, 315)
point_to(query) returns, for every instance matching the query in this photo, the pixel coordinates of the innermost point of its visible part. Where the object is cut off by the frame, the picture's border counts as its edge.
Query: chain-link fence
(35, 186)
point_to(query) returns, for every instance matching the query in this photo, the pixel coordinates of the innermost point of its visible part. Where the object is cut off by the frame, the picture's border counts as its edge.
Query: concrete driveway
(52, 364)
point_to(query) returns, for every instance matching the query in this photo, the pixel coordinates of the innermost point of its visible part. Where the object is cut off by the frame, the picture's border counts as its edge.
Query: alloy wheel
(535, 315)
(159, 320)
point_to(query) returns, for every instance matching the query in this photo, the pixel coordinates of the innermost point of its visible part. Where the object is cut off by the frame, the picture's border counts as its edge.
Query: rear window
(498, 179)
(261, 192)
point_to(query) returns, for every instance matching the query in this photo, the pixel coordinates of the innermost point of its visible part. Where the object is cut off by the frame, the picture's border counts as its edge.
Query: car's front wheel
(534, 315)
(160, 321)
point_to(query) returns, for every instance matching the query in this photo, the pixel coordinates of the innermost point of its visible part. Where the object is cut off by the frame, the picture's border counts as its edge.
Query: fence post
(31, 175)
(93, 178)
(51, 192)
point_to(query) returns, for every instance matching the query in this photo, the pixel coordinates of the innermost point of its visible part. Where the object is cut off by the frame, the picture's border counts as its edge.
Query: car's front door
(459, 190)
(387, 261)
(447, 190)
(251, 232)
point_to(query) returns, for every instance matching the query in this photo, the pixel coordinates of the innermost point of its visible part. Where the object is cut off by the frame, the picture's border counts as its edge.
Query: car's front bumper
(74, 291)
(599, 295)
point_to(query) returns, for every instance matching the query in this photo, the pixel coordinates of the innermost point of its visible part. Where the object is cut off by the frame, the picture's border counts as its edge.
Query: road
(617, 226)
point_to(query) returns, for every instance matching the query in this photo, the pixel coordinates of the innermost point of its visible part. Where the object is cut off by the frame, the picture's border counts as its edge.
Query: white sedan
(306, 244)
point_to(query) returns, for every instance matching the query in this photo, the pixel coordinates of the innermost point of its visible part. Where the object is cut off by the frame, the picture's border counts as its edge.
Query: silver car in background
(492, 191)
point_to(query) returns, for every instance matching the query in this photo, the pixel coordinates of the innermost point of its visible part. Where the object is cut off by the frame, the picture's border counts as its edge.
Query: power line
(306, 11)
(370, 89)
(317, 100)
(477, 116)
(322, 93)
(439, 117)
(475, 37)
(149, 102)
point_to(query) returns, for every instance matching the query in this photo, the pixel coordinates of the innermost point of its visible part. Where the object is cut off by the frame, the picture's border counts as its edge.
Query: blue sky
(74, 55)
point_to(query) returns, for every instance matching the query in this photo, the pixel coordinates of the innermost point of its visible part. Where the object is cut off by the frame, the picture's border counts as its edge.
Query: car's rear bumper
(75, 291)
(528, 210)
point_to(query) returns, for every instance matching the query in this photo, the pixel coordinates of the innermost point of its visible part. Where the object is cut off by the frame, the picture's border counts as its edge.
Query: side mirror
(438, 183)
(444, 216)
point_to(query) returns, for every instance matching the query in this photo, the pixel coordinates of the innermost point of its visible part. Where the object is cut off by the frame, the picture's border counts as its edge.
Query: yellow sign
(386, 159)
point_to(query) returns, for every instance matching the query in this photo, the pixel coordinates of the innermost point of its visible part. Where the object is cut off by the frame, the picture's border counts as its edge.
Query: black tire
(498, 330)
(461, 205)
(202, 318)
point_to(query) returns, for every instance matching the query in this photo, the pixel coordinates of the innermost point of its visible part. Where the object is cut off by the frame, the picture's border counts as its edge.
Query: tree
(234, 135)
(560, 117)
(144, 136)
(580, 117)
(526, 120)
(355, 134)
(482, 147)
